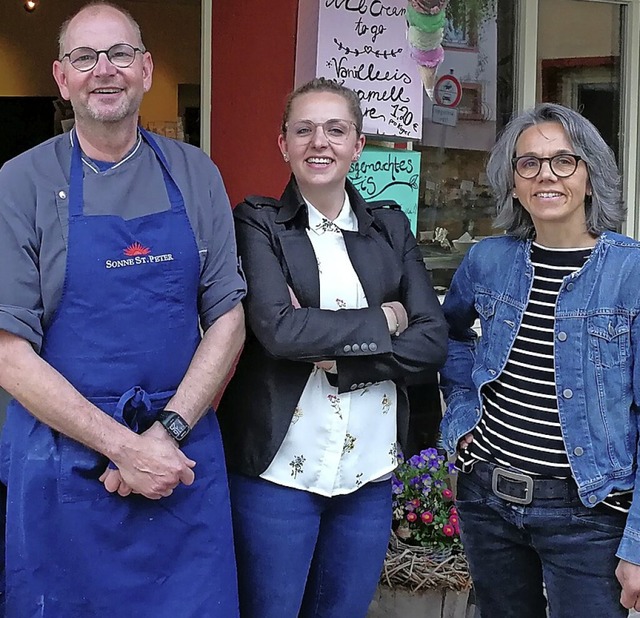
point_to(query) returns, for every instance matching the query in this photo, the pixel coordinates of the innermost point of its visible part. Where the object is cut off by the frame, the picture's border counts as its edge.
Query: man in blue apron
(117, 251)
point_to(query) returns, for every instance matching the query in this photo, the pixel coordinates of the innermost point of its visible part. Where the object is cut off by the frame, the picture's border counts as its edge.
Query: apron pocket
(80, 469)
(174, 294)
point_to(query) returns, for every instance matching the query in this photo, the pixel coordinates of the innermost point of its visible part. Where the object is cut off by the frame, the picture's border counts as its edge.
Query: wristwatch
(175, 425)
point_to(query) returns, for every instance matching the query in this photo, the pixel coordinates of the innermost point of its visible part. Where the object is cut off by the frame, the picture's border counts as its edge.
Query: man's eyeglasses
(120, 55)
(336, 131)
(562, 165)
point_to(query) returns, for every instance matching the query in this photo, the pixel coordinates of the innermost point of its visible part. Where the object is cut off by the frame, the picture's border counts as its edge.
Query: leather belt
(520, 488)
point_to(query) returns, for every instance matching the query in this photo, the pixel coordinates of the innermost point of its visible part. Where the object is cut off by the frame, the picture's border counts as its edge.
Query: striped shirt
(520, 426)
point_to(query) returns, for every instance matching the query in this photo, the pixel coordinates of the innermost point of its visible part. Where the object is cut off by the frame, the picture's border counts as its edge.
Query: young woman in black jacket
(340, 310)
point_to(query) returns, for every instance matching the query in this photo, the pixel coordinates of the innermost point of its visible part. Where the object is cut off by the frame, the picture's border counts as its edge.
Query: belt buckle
(512, 476)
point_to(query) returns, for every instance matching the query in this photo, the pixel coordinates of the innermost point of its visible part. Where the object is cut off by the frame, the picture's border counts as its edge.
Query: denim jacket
(596, 355)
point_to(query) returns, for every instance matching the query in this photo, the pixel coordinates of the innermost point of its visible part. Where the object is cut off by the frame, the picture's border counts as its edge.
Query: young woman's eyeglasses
(120, 55)
(336, 131)
(562, 165)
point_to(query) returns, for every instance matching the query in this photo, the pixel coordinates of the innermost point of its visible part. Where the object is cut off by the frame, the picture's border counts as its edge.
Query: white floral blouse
(337, 442)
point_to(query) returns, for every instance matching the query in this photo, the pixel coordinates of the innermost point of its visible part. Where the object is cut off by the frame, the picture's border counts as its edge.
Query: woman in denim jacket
(542, 409)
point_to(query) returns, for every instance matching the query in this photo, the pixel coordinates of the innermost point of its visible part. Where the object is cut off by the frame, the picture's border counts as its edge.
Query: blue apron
(124, 334)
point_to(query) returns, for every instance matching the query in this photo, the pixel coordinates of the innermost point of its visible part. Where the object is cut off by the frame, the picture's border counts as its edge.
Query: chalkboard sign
(362, 44)
(389, 174)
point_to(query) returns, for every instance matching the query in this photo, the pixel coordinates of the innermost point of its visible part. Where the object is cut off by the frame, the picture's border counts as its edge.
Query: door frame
(206, 33)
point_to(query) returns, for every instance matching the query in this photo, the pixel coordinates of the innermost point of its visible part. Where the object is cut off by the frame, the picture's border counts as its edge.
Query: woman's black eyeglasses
(562, 165)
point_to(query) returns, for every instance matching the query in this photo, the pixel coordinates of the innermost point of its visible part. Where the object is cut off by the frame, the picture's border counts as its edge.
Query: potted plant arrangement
(425, 572)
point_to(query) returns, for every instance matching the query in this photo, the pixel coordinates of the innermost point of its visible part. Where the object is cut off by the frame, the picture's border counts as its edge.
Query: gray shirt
(34, 224)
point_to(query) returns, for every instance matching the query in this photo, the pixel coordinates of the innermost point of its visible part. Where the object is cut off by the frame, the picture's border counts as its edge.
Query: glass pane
(455, 205)
(582, 72)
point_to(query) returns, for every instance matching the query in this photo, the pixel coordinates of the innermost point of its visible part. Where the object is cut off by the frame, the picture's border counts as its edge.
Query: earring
(514, 196)
(285, 156)
(355, 158)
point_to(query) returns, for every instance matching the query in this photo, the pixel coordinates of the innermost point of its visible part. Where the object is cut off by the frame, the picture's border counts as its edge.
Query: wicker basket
(416, 568)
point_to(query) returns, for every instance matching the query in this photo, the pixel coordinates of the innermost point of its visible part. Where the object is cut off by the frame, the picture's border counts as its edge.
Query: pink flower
(415, 502)
(411, 517)
(447, 493)
(453, 520)
(448, 530)
(427, 517)
(453, 511)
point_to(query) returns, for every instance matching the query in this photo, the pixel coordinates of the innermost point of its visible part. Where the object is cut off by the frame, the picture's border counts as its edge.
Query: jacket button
(373, 347)
(347, 348)
(364, 347)
(578, 451)
(355, 347)
(353, 387)
(567, 393)
(368, 384)
(62, 195)
(361, 385)
(569, 287)
(592, 499)
(562, 336)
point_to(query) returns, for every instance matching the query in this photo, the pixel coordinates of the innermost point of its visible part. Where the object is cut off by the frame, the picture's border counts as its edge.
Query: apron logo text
(139, 259)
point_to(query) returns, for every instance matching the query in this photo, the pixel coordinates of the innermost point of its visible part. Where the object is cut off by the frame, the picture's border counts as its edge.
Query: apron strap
(173, 191)
(133, 407)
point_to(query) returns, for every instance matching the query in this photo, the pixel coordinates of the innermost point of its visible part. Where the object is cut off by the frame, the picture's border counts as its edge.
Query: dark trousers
(512, 549)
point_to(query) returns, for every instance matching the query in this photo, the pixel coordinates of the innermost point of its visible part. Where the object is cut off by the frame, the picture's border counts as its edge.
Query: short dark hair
(604, 211)
(321, 84)
(95, 4)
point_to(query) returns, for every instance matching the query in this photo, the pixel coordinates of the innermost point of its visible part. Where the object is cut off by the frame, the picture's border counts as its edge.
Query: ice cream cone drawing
(426, 20)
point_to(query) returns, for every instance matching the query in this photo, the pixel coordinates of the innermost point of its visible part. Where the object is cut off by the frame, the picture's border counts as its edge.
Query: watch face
(178, 428)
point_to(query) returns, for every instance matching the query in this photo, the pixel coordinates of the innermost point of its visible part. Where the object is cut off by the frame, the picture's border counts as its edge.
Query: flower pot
(423, 582)
(435, 603)
(417, 568)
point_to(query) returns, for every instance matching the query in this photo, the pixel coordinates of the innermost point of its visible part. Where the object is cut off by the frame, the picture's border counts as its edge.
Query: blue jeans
(301, 554)
(512, 549)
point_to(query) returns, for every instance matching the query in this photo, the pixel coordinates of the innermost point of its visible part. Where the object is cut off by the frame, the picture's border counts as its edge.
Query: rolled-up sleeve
(20, 293)
(222, 284)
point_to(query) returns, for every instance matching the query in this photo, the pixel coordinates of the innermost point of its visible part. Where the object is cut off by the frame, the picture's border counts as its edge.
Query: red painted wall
(253, 59)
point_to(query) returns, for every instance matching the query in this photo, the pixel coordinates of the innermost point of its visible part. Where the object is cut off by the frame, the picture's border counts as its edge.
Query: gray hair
(94, 5)
(604, 210)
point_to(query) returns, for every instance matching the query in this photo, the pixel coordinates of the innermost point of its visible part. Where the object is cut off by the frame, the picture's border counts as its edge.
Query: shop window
(456, 207)
(463, 36)
(470, 107)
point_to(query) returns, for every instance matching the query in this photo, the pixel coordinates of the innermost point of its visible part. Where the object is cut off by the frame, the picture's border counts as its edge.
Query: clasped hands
(152, 466)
